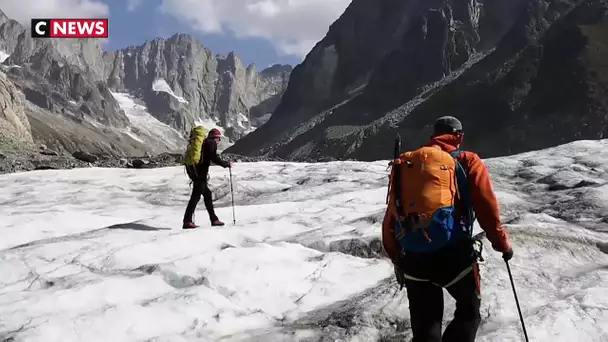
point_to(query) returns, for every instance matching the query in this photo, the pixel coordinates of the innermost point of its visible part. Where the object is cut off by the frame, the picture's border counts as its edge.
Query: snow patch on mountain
(161, 85)
(3, 56)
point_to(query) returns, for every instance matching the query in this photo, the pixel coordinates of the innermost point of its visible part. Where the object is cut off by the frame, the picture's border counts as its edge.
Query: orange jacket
(482, 197)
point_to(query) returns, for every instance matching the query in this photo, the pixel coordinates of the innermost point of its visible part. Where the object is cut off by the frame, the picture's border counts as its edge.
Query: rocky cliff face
(9, 33)
(14, 124)
(521, 74)
(58, 84)
(183, 82)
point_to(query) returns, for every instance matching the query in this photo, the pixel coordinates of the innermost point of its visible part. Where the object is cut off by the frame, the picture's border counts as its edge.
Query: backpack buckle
(478, 250)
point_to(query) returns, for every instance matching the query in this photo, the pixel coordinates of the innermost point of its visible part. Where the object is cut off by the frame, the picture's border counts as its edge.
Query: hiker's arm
(485, 203)
(215, 157)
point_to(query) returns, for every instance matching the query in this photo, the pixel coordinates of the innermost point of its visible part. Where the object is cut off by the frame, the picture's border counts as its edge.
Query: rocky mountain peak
(276, 70)
(182, 82)
(231, 63)
(9, 33)
(183, 38)
(3, 17)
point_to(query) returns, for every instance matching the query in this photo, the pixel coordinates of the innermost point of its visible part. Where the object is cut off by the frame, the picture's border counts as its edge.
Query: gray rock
(140, 163)
(49, 153)
(521, 75)
(45, 167)
(85, 157)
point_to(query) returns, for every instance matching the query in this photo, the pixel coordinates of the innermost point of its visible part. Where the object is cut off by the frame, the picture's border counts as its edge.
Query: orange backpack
(424, 191)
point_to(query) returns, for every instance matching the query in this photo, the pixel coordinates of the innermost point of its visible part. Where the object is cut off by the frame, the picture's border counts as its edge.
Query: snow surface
(147, 128)
(161, 85)
(98, 254)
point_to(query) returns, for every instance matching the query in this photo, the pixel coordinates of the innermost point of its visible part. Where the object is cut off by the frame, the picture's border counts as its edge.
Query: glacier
(98, 254)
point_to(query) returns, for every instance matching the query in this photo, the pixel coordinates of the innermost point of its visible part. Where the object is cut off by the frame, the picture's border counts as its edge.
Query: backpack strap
(398, 228)
(462, 181)
(397, 189)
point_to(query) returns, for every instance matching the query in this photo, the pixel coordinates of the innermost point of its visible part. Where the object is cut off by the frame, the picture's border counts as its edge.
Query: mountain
(144, 99)
(67, 107)
(520, 74)
(182, 82)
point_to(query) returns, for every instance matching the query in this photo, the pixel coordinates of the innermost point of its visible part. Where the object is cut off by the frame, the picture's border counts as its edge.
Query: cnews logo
(69, 28)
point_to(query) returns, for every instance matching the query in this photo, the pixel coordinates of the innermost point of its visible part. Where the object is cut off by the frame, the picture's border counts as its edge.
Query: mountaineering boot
(217, 223)
(189, 225)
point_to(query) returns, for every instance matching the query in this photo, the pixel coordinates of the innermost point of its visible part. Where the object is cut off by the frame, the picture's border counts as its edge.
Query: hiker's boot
(189, 225)
(217, 223)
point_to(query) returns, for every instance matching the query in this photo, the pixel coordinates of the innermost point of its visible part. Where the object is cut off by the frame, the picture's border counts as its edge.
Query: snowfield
(99, 255)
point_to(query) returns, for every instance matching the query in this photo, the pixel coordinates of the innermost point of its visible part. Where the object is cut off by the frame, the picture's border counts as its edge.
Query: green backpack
(195, 145)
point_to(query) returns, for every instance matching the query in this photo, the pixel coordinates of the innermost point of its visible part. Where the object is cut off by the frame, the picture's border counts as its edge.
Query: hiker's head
(448, 125)
(215, 134)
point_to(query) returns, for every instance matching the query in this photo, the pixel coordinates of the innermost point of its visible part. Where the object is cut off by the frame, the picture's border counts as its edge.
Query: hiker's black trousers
(426, 309)
(454, 268)
(199, 187)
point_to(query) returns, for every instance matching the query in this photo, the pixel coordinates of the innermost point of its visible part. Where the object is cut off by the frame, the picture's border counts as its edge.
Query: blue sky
(263, 32)
(147, 22)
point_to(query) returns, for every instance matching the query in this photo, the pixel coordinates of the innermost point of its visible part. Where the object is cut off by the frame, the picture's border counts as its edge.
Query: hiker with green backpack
(201, 151)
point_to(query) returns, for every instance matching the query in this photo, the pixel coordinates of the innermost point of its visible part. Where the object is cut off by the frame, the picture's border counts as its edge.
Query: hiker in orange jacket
(453, 267)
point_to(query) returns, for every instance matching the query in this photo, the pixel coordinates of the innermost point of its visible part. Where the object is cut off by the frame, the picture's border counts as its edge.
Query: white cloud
(132, 5)
(293, 26)
(24, 10)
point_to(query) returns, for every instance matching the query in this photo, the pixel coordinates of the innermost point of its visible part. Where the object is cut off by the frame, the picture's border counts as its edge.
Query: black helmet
(447, 125)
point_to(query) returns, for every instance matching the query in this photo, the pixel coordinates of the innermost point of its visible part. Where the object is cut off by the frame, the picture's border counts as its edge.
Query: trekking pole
(521, 317)
(232, 194)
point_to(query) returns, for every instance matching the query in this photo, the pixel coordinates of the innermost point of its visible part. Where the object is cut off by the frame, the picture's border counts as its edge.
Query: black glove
(400, 276)
(505, 255)
(508, 254)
